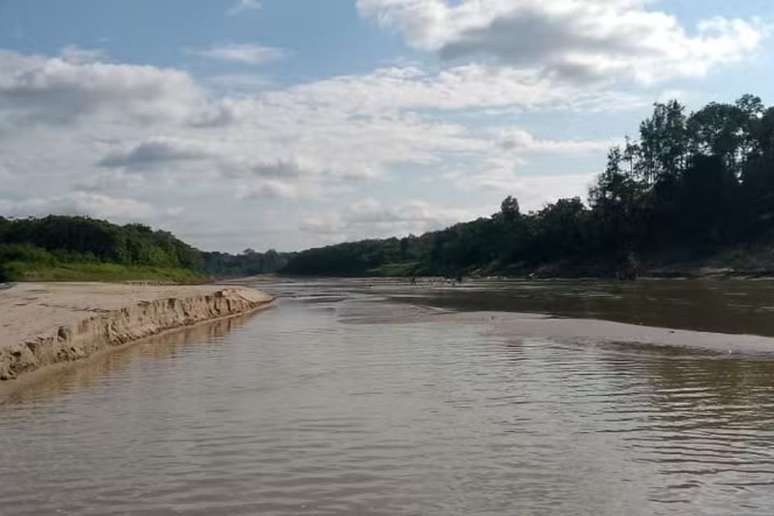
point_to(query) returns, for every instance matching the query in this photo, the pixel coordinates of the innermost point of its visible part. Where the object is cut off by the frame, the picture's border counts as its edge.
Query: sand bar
(44, 324)
(595, 331)
(517, 326)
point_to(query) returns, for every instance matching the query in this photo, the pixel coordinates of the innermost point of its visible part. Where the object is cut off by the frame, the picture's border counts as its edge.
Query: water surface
(359, 398)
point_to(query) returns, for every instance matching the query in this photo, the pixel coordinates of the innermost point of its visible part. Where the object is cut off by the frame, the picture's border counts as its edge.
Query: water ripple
(321, 407)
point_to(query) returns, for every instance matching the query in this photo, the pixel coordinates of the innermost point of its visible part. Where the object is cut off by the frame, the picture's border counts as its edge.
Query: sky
(291, 124)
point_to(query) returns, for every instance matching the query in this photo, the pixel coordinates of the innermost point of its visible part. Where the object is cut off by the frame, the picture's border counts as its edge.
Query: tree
(510, 208)
(728, 131)
(691, 183)
(616, 201)
(663, 143)
(562, 228)
(709, 189)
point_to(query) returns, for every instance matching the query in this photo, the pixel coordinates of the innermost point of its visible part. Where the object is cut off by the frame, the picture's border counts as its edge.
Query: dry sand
(44, 324)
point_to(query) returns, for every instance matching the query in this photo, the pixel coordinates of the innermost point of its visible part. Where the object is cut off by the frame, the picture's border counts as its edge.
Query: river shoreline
(44, 326)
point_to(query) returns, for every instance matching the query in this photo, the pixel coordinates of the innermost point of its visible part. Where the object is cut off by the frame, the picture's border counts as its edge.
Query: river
(378, 397)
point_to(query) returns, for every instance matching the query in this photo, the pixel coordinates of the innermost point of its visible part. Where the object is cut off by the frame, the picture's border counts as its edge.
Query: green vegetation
(248, 263)
(691, 187)
(106, 272)
(58, 248)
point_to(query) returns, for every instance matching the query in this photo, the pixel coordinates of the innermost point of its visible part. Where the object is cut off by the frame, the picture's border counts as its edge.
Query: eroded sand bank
(44, 324)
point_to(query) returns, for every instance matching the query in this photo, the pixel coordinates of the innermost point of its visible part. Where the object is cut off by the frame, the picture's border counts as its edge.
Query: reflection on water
(300, 411)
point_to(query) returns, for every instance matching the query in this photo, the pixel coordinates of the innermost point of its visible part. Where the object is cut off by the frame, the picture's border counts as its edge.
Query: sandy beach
(44, 324)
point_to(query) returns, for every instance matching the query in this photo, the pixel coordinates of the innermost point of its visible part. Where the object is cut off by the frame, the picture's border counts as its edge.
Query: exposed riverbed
(375, 397)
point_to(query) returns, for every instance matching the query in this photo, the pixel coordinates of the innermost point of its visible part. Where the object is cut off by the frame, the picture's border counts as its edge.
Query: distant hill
(694, 191)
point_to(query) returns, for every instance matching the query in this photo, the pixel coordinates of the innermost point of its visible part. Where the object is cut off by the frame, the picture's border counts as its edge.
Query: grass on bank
(101, 272)
(23, 262)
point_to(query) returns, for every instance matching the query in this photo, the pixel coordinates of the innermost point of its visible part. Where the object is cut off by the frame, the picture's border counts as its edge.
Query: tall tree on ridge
(663, 143)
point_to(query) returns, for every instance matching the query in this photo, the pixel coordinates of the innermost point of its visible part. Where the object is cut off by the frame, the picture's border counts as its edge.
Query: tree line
(56, 240)
(689, 185)
(247, 263)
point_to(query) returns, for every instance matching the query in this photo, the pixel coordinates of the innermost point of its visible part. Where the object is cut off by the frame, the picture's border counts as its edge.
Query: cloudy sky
(293, 123)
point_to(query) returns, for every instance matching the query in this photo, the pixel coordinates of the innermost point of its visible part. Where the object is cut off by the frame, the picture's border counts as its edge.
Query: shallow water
(348, 399)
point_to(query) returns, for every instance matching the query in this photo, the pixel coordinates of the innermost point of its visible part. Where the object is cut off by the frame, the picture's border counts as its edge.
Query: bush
(25, 253)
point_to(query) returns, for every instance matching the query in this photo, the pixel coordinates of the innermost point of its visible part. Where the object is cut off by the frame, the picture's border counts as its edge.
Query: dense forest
(247, 263)
(691, 186)
(81, 248)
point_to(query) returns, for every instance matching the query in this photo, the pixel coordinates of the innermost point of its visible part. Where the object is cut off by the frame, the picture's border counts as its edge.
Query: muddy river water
(380, 397)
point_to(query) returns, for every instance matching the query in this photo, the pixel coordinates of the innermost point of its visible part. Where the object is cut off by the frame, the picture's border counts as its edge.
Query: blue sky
(294, 123)
(327, 38)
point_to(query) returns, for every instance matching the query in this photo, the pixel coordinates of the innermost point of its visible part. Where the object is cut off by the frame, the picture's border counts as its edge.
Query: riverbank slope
(44, 324)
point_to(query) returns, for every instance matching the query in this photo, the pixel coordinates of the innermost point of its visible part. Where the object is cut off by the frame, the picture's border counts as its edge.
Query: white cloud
(372, 211)
(160, 135)
(239, 83)
(276, 169)
(517, 140)
(56, 90)
(289, 180)
(77, 55)
(503, 177)
(370, 217)
(270, 189)
(570, 39)
(80, 203)
(242, 6)
(472, 86)
(244, 53)
(150, 152)
(81, 133)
